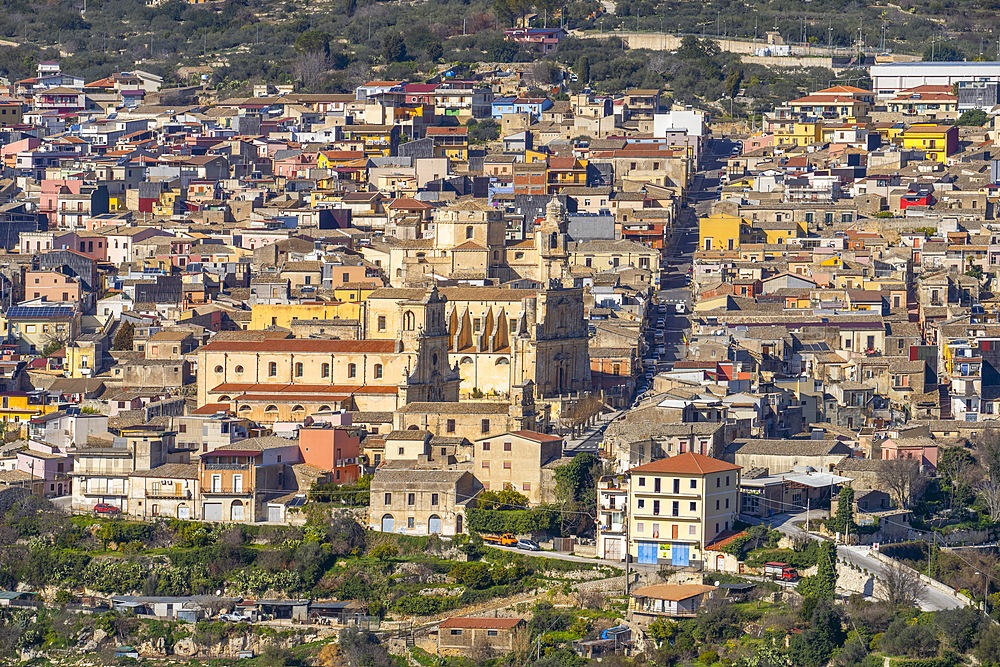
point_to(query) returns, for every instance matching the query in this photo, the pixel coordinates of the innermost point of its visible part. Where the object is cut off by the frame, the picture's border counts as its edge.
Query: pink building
(53, 286)
(47, 462)
(333, 446)
(922, 450)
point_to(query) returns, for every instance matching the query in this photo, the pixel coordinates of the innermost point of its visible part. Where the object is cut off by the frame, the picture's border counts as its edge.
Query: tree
(483, 131)
(313, 41)
(989, 498)
(434, 51)
(822, 585)
(902, 479)
(393, 47)
(899, 585)
(973, 117)
(123, 337)
(815, 646)
(505, 499)
(583, 69)
(843, 522)
(943, 53)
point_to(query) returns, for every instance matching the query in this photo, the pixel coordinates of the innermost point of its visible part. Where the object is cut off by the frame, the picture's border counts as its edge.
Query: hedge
(945, 661)
(519, 522)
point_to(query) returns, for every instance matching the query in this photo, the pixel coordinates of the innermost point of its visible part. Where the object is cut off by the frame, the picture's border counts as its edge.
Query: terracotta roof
(482, 623)
(724, 538)
(304, 345)
(688, 463)
(673, 592)
(212, 408)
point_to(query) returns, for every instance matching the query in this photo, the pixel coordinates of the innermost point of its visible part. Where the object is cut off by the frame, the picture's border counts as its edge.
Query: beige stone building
(678, 505)
(171, 490)
(411, 500)
(403, 358)
(465, 635)
(523, 460)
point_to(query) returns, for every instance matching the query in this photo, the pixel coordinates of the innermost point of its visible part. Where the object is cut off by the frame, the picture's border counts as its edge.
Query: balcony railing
(227, 466)
(170, 494)
(227, 492)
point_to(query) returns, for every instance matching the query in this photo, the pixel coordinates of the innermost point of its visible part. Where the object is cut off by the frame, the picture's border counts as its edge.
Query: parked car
(105, 509)
(233, 618)
(528, 545)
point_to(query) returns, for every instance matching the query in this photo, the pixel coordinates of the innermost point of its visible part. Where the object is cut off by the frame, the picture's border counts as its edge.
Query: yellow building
(679, 504)
(450, 142)
(19, 408)
(264, 315)
(721, 231)
(378, 140)
(936, 141)
(798, 133)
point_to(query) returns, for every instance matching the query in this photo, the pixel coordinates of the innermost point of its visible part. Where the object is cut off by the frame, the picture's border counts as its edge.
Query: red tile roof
(445, 131)
(688, 463)
(305, 345)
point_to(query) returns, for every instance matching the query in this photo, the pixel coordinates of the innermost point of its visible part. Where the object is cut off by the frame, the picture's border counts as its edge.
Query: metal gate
(388, 524)
(212, 512)
(680, 555)
(647, 553)
(613, 549)
(434, 525)
(274, 513)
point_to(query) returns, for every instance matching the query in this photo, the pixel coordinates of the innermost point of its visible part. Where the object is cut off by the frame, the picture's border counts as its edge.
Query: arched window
(324, 408)
(326, 370)
(271, 408)
(272, 369)
(465, 360)
(352, 370)
(503, 361)
(434, 359)
(378, 371)
(238, 369)
(298, 408)
(224, 399)
(468, 232)
(408, 320)
(245, 408)
(299, 369)
(219, 369)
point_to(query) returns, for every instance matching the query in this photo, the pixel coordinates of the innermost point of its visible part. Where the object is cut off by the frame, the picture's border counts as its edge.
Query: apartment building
(678, 505)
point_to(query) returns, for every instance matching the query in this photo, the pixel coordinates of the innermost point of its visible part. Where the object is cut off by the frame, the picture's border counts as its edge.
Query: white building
(891, 78)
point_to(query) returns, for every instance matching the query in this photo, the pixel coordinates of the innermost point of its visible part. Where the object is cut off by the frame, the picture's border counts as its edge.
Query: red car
(106, 509)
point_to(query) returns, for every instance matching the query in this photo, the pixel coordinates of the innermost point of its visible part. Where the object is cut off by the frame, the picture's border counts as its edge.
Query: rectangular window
(506, 465)
(411, 499)
(486, 465)
(507, 446)
(486, 446)
(656, 507)
(381, 322)
(693, 506)
(491, 633)
(675, 508)
(485, 426)
(694, 484)
(434, 499)
(388, 499)
(639, 527)
(642, 481)
(526, 486)
(641, 503)
(410, 522)
(450, 427)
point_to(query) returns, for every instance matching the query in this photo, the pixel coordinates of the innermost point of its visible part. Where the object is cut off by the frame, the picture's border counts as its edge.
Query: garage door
(613, 549)
(274, 513)
(681, 555)
(388, 524)
(212, 512)
(236, 511)
(647, 553)
(183, 512)
(434, 525)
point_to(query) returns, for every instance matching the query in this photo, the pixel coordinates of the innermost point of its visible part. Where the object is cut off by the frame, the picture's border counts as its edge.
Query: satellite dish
(718, 583)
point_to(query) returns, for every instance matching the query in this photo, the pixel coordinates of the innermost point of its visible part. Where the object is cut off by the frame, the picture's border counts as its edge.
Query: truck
(505, 540)
(780, 572)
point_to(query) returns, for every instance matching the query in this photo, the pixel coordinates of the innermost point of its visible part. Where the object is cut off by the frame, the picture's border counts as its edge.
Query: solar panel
(39, 311)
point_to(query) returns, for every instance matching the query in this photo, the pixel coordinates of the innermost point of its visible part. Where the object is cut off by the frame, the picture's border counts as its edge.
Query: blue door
(647, 553)
(681, 555)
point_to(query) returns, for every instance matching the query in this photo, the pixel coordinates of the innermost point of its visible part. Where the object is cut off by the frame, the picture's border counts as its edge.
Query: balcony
(170, 494)
(227, 466)
(221, 491)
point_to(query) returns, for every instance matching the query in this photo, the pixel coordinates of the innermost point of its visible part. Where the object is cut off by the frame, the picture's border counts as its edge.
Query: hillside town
(606, 329)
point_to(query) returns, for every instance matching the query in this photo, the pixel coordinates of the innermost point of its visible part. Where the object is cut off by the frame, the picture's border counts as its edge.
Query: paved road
(930, 599)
